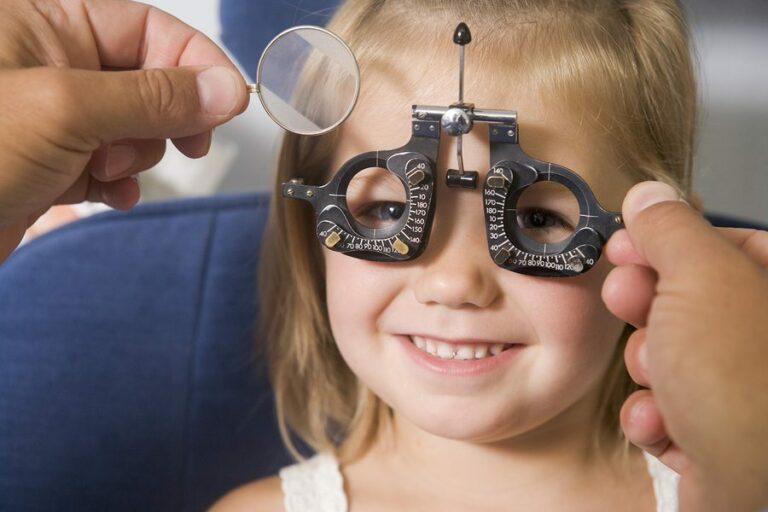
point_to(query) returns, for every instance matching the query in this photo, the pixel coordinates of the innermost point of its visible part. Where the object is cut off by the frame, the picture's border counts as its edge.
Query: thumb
(673, 238)
(149, 103)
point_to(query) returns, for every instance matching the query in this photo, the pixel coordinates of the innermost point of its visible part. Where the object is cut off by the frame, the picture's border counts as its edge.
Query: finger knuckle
(158, 94)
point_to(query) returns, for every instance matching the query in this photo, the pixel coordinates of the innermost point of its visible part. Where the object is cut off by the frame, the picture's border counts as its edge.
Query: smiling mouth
(459, 351)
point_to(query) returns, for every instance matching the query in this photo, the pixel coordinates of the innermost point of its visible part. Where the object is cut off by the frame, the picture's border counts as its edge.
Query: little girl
(359, 350)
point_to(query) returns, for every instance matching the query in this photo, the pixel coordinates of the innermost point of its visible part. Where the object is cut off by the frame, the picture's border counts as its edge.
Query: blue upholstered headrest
(127, 372)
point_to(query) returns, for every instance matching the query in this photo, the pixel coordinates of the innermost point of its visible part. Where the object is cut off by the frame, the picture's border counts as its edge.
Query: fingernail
(217, 88)
(120, 158)
(649, 193)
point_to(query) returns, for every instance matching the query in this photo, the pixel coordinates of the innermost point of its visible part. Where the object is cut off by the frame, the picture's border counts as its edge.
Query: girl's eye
(543, 225)
(380, 214)
(539, 218)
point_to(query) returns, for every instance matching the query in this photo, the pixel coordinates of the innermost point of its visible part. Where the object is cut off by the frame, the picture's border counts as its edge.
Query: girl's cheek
(570, 311)
(357, 291)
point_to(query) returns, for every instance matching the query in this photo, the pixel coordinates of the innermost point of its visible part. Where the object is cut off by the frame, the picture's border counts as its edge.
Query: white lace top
(316, 485)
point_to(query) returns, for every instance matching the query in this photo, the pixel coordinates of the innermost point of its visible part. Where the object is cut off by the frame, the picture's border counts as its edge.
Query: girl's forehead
(389, 89)
(391, 86)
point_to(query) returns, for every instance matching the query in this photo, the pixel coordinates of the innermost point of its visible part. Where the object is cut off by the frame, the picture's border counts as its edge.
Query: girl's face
(558, 336)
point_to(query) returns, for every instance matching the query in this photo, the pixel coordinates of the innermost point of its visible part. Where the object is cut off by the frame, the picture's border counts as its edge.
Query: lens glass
(547, 212)
(376, 198)
(308, 80)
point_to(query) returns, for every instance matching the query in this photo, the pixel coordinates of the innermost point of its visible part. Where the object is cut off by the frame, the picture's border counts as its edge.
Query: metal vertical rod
(459, 152)
(461, 74)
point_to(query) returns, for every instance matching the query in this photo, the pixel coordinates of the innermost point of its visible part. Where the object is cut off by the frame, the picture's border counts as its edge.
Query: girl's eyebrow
(384, 177)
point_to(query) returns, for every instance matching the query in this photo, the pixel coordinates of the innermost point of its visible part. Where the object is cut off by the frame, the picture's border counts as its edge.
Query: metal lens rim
(259, 70)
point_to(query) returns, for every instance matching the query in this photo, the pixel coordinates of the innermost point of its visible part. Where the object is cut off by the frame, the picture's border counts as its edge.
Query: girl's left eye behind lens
(547, 212)
(376, 198)
(543, 226)
(380, 214)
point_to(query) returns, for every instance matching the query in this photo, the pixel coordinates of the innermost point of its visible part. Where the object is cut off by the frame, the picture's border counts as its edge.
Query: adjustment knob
(456, 121)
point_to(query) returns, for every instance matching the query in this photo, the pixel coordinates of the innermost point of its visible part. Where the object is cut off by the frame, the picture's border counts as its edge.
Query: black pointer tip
(462, 36)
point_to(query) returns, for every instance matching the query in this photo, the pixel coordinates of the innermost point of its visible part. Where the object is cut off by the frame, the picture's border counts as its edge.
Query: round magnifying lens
(307, 80)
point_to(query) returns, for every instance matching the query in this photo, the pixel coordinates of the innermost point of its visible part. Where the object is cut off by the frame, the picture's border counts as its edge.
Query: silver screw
(576, 263)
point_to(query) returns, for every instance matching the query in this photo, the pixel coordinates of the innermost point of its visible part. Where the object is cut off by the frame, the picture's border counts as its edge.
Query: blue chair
(127, 372)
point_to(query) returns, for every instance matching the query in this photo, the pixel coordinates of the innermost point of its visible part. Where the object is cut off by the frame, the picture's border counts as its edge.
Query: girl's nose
(456, 273)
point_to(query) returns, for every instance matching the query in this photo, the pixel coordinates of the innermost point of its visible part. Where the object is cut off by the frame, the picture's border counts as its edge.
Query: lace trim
(664, 484)
(315, 485)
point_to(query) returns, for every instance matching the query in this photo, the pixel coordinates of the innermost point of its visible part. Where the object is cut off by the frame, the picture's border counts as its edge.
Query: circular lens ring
(537, 198)
(356, 75)
(587, 238)
(527, 243)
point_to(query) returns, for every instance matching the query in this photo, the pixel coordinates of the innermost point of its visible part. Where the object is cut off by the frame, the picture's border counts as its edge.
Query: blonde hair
(627, 61)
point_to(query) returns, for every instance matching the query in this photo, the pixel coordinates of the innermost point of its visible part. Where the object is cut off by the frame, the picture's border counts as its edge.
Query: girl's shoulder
(260, 495)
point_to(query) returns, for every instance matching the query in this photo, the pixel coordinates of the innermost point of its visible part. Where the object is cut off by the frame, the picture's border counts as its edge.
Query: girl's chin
(466, 425)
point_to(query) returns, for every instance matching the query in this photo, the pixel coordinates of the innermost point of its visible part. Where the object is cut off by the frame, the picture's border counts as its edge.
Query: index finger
(132, 35)
(752, 242)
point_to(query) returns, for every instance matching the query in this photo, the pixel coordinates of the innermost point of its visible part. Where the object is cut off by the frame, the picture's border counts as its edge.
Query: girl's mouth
(462, 358)
(458, 351)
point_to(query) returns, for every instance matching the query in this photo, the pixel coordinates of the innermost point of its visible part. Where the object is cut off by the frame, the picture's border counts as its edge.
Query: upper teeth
(458, 351)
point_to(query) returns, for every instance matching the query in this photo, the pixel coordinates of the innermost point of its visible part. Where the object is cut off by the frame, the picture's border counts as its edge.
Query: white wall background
(732, 157)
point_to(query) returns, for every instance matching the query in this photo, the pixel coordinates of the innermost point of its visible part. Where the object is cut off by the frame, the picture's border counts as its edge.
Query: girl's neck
(561, 449)
(556, 459)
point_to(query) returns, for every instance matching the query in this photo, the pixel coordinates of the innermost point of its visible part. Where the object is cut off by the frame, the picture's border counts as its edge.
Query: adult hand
(89, 91)
(699, 298)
